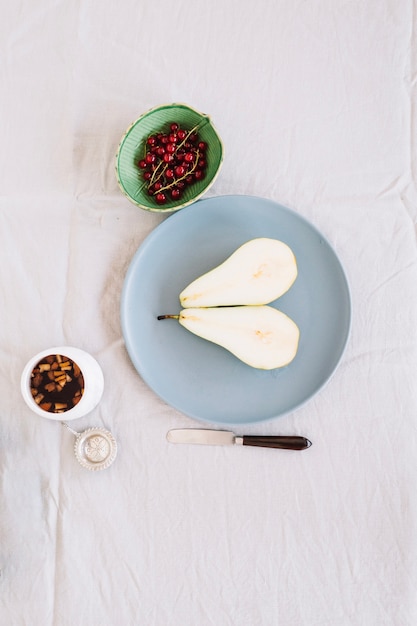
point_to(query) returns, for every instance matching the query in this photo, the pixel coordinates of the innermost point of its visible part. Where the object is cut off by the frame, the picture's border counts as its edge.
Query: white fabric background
(315, 102)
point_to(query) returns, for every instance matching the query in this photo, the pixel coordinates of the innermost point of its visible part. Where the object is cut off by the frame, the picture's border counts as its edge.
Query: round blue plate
(202, 379)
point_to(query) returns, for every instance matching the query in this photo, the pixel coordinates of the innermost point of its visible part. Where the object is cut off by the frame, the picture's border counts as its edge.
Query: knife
(225, 437)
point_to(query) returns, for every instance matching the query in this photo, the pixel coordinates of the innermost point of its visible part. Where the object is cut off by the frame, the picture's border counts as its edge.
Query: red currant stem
(177, 180)
(193, 130)
(152, 179)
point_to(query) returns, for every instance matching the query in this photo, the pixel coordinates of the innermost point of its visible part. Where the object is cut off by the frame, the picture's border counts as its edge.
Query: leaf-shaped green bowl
(132, 148)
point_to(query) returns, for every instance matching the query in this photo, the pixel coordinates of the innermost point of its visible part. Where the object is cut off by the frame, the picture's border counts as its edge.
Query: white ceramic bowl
(93, 383)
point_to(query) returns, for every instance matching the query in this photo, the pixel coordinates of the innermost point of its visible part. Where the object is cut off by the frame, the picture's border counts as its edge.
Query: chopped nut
(37, 379)
(60, 406)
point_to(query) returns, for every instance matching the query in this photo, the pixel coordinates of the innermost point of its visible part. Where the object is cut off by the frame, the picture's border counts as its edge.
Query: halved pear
(260, 336)
(258, 272)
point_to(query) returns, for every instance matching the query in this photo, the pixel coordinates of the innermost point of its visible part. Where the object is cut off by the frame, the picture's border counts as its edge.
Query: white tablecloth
(315, 102)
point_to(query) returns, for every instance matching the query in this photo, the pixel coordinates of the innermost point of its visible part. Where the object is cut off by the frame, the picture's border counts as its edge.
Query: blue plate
(202, 379)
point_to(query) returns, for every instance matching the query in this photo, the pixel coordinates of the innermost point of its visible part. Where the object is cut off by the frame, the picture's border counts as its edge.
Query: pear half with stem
(258, 272)
(260, 336)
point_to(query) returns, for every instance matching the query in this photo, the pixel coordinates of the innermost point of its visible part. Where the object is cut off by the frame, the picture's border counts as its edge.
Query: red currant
(175, 193)
(181, 134)
(150, 158)
(161, 197)
(179, 171)
(174, 126)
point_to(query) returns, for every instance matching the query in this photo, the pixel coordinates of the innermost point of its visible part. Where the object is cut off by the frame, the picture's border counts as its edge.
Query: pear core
(258, 272)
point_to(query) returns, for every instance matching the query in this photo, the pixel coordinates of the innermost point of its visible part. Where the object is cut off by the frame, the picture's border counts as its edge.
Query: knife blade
(226, 438)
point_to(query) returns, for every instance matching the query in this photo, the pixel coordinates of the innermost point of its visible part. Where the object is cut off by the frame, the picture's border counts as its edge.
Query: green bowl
(132, 148)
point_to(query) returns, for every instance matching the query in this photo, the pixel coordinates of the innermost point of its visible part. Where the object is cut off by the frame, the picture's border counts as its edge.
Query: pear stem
(166, 317)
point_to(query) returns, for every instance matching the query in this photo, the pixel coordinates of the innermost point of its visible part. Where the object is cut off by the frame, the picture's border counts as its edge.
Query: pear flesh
(260, 336)
(258, 272)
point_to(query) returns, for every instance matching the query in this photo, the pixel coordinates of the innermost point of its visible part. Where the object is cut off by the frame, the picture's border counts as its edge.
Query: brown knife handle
(277, 441)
